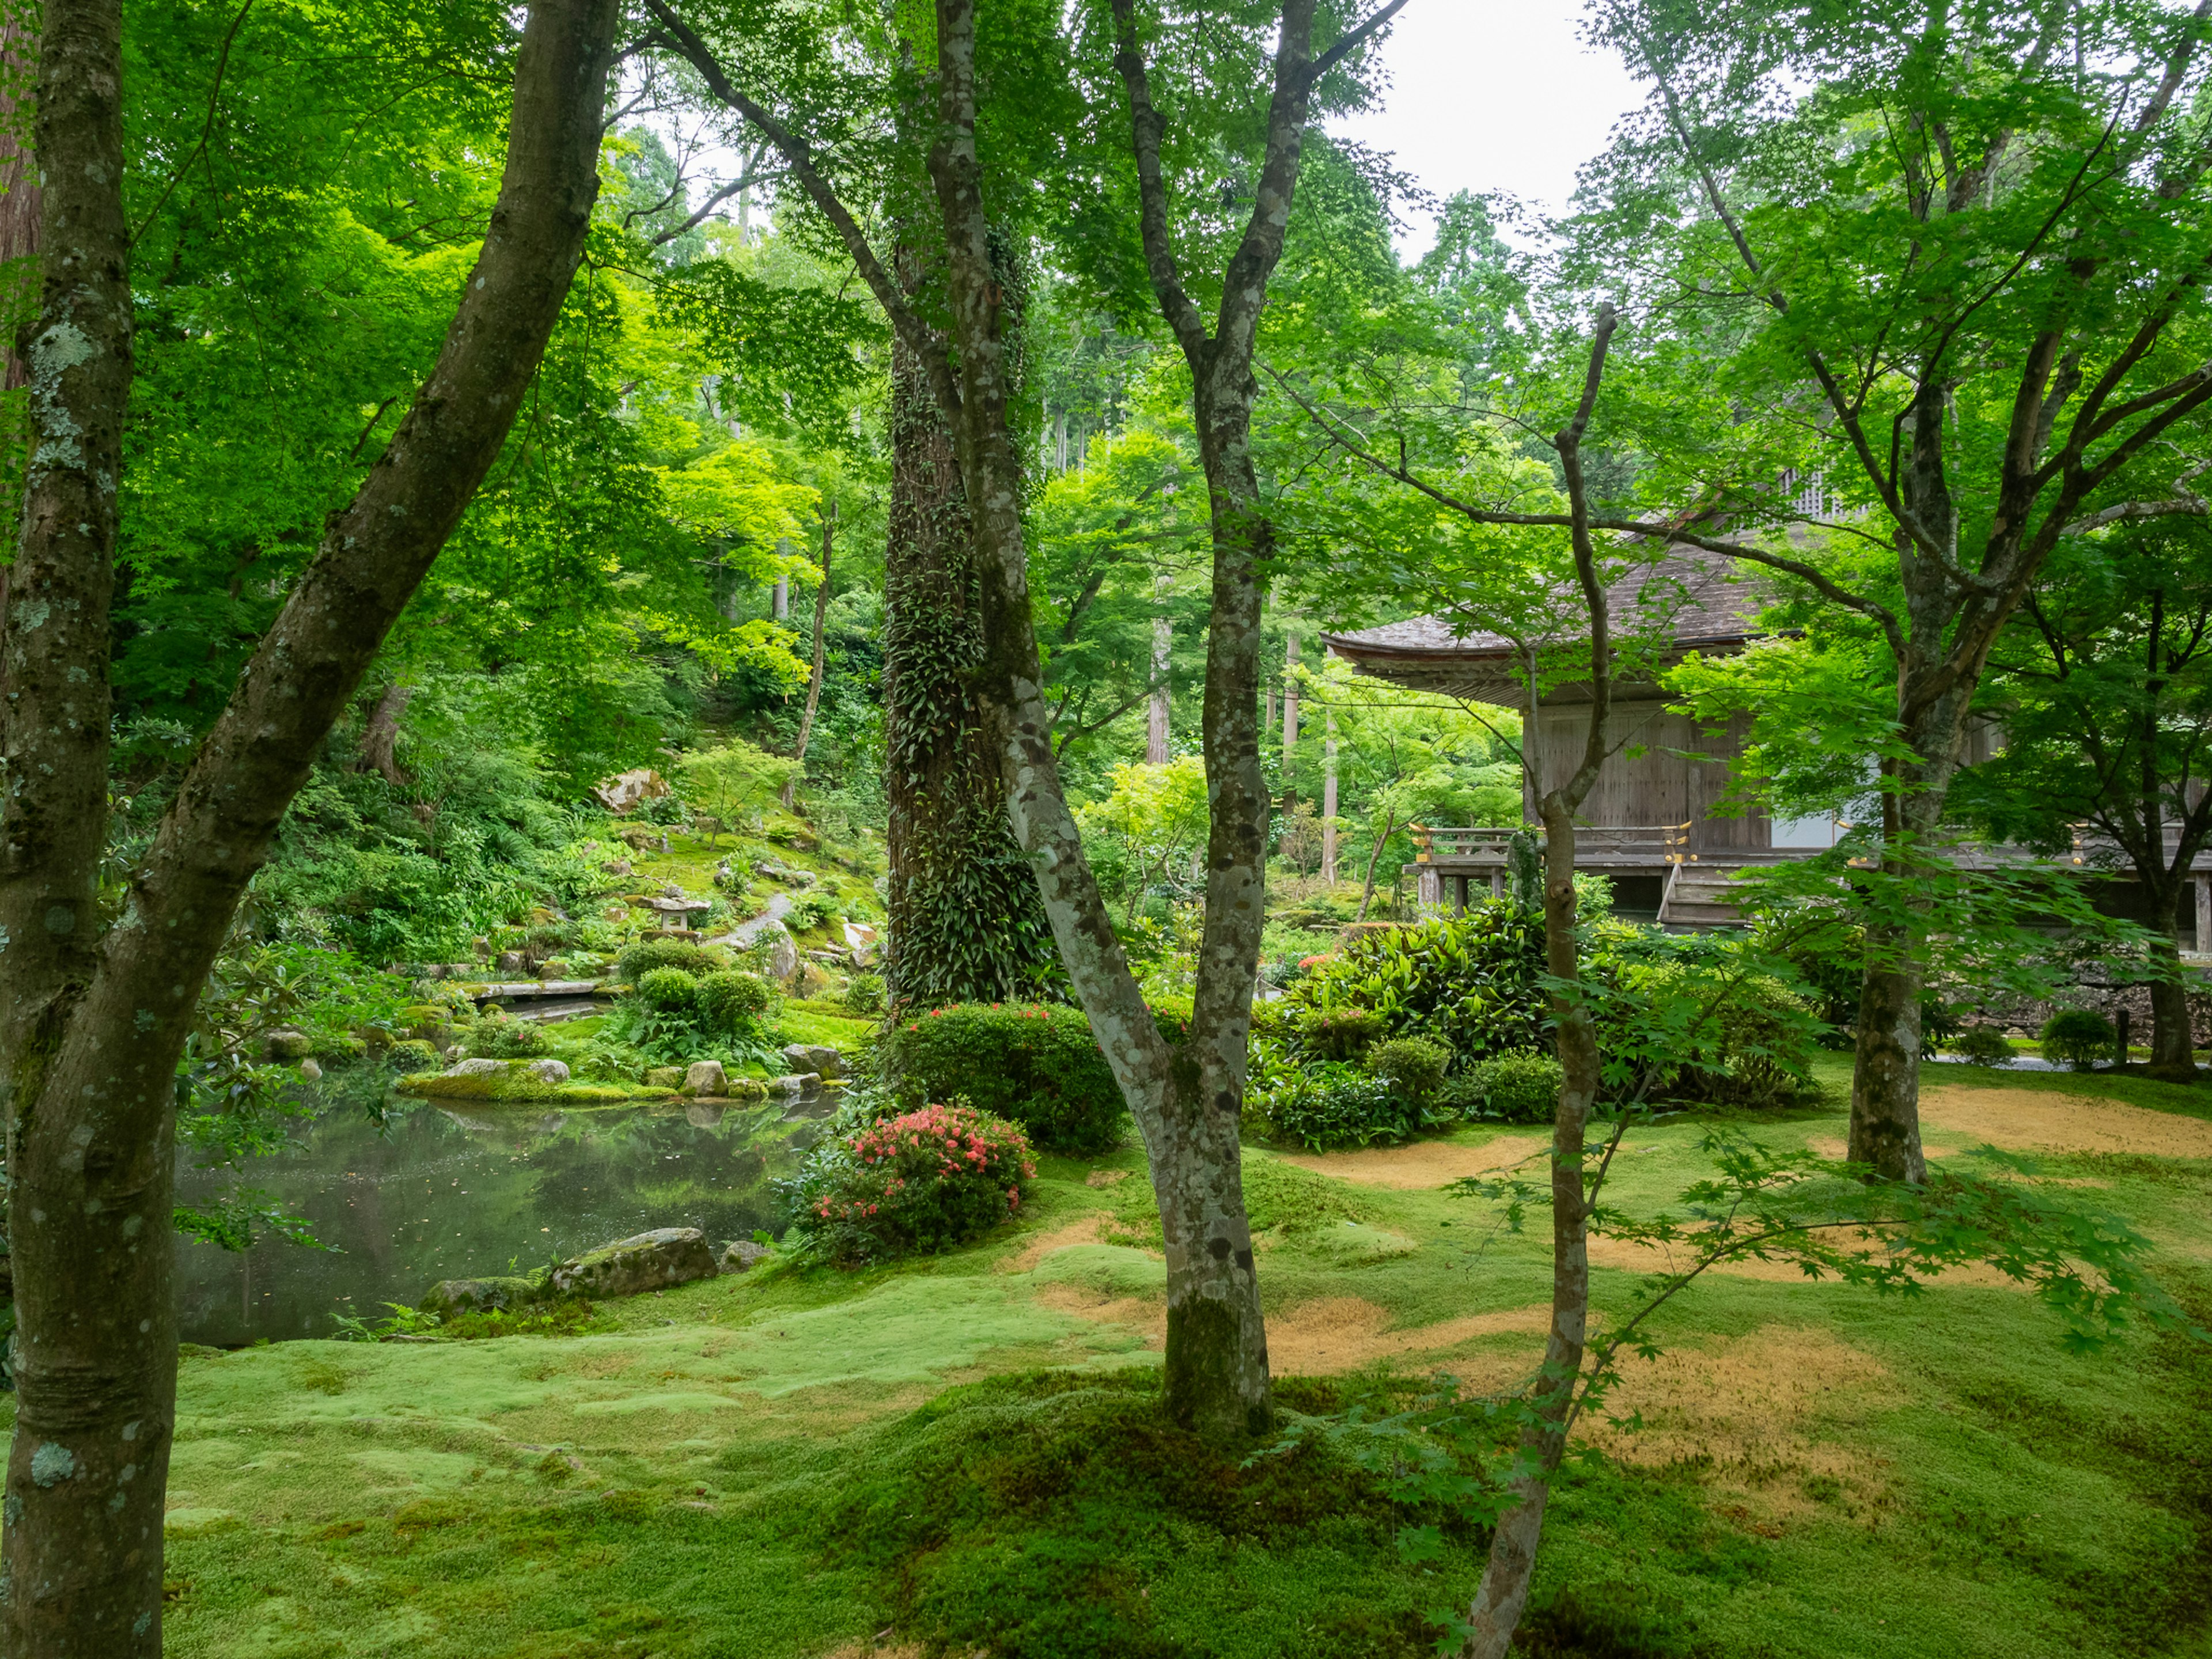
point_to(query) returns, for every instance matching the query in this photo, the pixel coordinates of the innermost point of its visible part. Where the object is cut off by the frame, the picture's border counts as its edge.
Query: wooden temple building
(1653, 822)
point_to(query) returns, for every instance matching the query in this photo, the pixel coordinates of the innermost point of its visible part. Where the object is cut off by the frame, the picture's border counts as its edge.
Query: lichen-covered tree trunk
(92, 1024)
(966, 922)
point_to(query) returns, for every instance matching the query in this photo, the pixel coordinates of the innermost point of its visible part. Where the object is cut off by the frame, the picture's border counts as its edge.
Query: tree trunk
(1156, 720)
(1503, 1593)
(379, 743)
(814, 680)
(1328, 802)
(1289, 722)
(1375, 857)
(966, 923)
(2172, 1039)
(94, 1026)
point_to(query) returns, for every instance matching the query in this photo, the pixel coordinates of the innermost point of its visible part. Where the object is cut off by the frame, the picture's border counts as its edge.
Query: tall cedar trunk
(2172, 1041)
(20, 215)
(1155, 713)
(965, 921)
(1503, 1593)
(93, 1027)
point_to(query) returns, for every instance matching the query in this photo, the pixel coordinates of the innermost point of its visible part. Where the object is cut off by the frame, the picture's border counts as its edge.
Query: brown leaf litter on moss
(1337, 1333)
(1774, 1420)
(2026, 1120)
(1422, 1164)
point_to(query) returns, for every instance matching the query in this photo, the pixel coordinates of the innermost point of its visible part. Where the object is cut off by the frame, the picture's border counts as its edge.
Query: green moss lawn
(963, 1453)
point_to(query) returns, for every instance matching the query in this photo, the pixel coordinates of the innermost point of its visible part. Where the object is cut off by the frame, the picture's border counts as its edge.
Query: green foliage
(667, 990)
(925, 1181)
(735, 778)
(863, 993)
(1141, 838)
(1984, 1045)
(1472, 982)
(1338, 1033)
(1414, 1067)
(1036, 1064)
(500, 1036)
(640, 959)
(1517, 1088)
(735, 1003)
(2077, 1037)
(1329, 1104)
(411, 1054)
(1707, 1024)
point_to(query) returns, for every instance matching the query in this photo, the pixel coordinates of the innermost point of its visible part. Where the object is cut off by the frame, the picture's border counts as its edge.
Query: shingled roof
(1701, 601)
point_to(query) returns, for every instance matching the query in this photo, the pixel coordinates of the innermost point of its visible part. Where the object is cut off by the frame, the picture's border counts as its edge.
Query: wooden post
(2204, 916)
(2120, 1042)
(1459, 895)
(1429, 886)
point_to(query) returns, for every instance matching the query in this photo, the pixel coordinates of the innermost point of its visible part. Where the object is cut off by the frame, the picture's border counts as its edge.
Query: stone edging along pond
(536, 1082)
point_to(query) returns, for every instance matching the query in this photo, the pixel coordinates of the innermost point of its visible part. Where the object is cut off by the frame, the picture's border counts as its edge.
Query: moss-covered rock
(650, 1261)
(413, 1055)
(450, 1298)
(508, 1080)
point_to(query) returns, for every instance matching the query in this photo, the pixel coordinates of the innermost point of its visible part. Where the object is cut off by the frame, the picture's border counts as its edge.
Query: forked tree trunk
(93, 1026)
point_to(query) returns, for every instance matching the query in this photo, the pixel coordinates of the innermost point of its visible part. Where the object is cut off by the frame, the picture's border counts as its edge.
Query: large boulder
(477, 1068)
(818, 1057)
(452, 1296)
(289, 1042)
(664, 1077)
(548, 1071)
(705, 1077)
(782, 950)
(796, 1084)
(808, 981)
(625, 790)
(650, 1261)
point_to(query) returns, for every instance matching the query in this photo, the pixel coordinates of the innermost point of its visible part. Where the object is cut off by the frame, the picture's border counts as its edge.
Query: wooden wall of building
(1660, 785)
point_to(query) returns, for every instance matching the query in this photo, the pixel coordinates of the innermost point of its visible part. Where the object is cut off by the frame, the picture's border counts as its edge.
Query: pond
(433, 1192)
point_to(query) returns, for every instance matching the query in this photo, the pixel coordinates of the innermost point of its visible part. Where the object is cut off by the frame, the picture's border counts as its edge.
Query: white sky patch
(1493, 97)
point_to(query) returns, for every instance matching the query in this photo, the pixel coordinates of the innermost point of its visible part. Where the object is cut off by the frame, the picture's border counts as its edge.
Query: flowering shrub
(920, 1181)
(1036, 1064)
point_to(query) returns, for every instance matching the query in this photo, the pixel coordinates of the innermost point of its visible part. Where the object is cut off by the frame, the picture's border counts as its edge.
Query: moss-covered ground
(962, 1453)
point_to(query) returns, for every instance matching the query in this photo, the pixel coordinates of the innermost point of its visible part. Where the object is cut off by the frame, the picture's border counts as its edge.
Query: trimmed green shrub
(638, 960)
(412, 1056)
(1523, 1088)
(2077, 1037)
(667, 990)
(924, 1180)
(865, 994)
(1984, 1045)
(1415, 1067)
(732, 1001)
(500, 1036)
(1034, 1064)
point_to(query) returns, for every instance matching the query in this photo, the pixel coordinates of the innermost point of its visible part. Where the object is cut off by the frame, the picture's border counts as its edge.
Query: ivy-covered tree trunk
(966, 922)
(93, 1017)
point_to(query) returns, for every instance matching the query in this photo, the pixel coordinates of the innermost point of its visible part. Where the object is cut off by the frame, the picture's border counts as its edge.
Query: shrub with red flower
(924, 1180)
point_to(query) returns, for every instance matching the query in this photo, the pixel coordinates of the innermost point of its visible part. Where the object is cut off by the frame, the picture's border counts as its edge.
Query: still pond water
(435, 1192)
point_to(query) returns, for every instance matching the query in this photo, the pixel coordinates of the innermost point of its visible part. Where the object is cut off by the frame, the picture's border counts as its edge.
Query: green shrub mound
(1712, 1031)
(667, 990)
(1984, 1045)
(638, 960)
(412, 1056)
(919, 1183)
(500, 1036)
(2077, 1037)
(1034, 1064)
(1507, 1088)
(865, 993)
(734, 1002)
(1414, 1067)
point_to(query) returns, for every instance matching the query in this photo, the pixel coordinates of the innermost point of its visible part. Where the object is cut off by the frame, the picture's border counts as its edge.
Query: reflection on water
(447, 1193)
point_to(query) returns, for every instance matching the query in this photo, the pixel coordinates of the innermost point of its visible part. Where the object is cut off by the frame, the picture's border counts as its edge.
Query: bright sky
(1492, 95)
